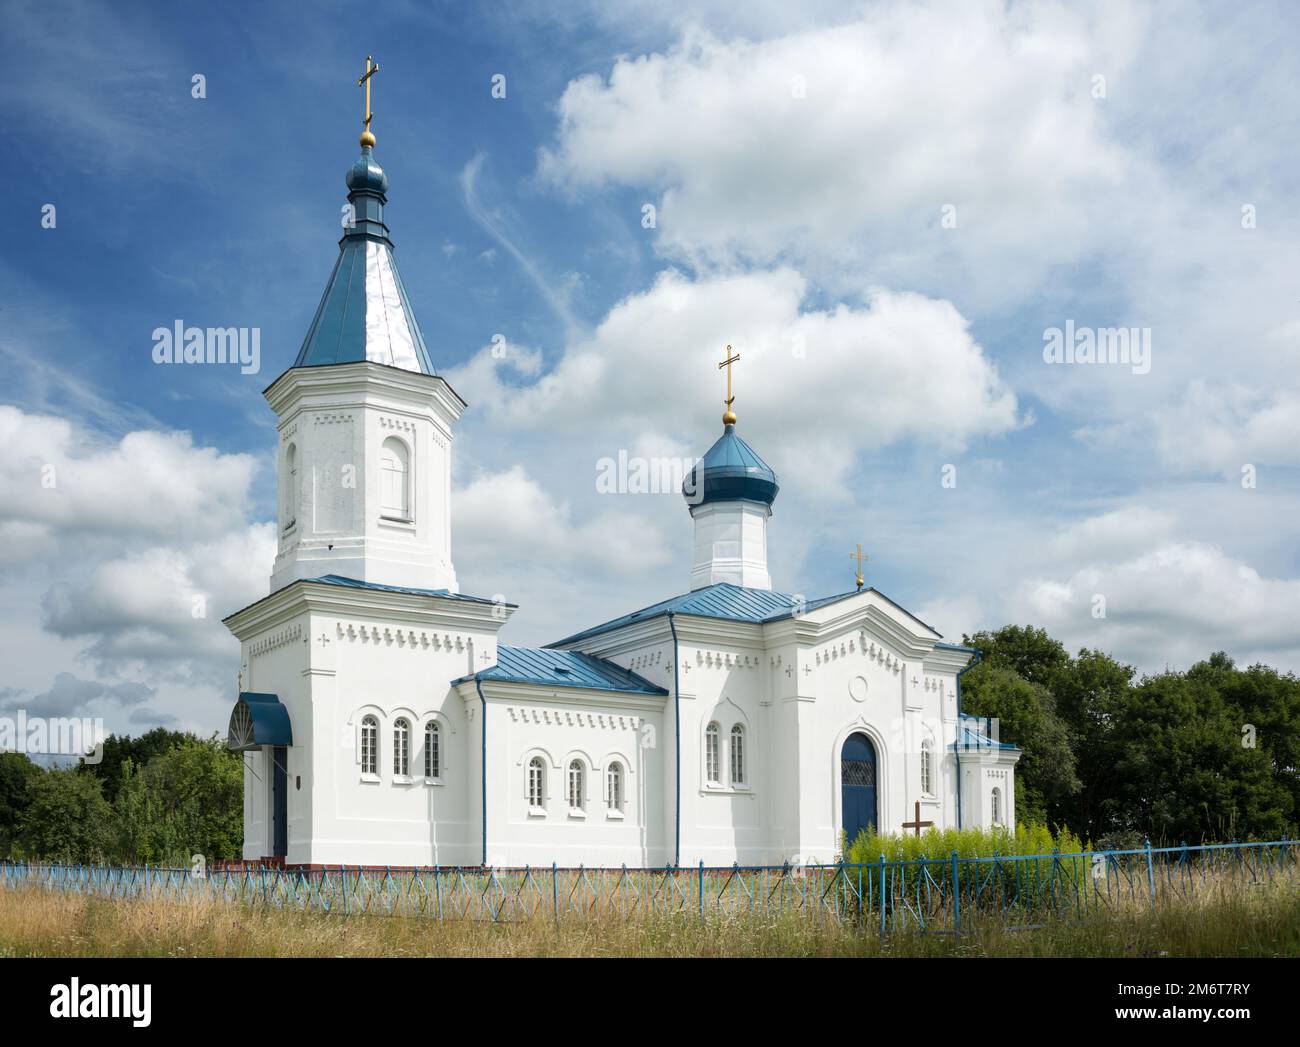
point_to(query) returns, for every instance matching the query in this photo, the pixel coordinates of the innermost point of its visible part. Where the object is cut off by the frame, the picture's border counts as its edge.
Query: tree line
(159, 798)
(1211, 754)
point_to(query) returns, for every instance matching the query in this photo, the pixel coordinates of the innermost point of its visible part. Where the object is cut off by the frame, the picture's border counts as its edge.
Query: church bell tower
(365, 423)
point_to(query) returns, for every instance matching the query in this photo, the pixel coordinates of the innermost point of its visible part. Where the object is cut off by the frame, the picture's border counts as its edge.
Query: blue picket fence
(936, 894)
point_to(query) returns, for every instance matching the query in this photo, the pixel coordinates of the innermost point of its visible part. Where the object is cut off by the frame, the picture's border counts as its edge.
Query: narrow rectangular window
(369, 745)
(575, 785)
(737, 755)
(401, 749)
(712, 771)
(615, 787)
(432, 757)
(536, 775)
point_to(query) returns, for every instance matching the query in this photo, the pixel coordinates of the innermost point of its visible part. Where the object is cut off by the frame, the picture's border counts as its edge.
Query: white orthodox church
(384, 722)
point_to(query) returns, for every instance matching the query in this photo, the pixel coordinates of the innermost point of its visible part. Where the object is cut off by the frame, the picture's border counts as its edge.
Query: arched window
(369, 745)
(737, 755)
(712, 768)
(432, 750)
(289, 484)
(395, 479)
(614, 786)
(536, 783)
(401, 747)
(576, 784)
(927, 769)
(996, 806)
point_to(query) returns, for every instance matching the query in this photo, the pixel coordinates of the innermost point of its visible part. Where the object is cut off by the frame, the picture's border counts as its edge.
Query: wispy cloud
(495, 225)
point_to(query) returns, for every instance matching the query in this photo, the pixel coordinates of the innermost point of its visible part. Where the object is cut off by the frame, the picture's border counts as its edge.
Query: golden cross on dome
(860, 556)
(729, 417)
(371, 69)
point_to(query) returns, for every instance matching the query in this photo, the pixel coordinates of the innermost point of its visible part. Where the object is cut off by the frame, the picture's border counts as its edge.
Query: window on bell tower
(289, 488)
(395, 479)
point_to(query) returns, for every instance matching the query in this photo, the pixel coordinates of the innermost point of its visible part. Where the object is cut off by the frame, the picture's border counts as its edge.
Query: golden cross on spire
(729, 417)
(860, 556)
(371, 69)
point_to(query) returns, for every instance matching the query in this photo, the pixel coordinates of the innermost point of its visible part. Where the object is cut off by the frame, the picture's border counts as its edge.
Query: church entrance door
(858, 785)
(279, 801)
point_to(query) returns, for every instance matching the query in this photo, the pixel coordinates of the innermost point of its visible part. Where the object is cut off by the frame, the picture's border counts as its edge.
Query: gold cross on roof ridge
(860, 556)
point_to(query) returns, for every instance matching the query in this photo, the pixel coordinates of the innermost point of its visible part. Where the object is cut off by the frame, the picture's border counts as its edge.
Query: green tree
(1026, 650)
(16, 774)
(1045, 775)
(188, 800)
(1181, 772)
(1264, 707)
(118, 749)
(1091, 693)
(67, 818)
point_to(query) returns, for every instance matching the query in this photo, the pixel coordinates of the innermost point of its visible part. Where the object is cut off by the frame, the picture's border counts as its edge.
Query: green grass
(1233, 920)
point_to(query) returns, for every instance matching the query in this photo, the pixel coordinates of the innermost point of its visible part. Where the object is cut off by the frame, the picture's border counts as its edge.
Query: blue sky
(801, 164)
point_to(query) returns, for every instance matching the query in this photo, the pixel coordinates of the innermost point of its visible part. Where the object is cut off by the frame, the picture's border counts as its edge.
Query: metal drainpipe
(956, 741)
(677, 746)
(478, 685)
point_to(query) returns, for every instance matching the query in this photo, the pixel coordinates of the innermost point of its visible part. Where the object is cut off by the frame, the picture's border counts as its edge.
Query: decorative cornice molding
(283, 638)
(727, 660)
(400, 636)
(399, 424)
(878, 653)
(573, 718)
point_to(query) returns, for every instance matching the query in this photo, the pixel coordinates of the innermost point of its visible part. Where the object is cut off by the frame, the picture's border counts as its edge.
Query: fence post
(555, 892)
(881, 898)
(956, 895)
(1151, 873)
(701, 888)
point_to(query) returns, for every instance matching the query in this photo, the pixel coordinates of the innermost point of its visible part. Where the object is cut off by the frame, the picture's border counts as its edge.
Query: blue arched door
(858, 785)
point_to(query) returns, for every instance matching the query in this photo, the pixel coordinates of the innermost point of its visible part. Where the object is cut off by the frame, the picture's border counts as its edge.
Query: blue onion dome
(366, 174)
(730, 471)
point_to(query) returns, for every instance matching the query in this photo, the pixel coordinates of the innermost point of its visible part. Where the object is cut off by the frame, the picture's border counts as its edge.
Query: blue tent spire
(364, 313)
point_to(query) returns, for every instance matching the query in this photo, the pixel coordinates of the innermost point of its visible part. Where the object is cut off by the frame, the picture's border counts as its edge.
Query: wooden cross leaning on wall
(917, 824)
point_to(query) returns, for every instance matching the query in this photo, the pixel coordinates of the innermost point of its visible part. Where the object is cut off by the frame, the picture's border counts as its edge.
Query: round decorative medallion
(858, 688)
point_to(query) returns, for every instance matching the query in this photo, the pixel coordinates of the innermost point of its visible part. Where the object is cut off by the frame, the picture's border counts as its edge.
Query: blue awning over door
(258, 720)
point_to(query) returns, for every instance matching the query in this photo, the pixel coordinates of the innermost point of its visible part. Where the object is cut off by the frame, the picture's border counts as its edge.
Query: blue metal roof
(547, 668)
(364, 313)
(722, 600)
(730, 470)
(974, 731)
(258, 720)
(356, 583)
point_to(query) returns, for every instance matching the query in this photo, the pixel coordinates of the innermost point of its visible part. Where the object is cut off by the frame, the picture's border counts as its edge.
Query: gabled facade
(382, 723)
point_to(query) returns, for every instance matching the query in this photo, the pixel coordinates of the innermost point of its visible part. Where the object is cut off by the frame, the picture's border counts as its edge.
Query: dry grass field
(1259, 920)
